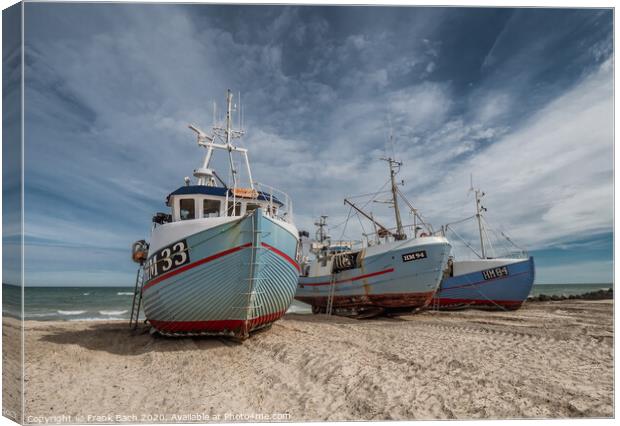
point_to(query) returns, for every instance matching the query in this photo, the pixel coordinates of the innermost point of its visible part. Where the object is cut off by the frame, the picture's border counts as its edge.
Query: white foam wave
(85, 294)
(112, 312)
(51, 314)
(124, 293)
(71, 312)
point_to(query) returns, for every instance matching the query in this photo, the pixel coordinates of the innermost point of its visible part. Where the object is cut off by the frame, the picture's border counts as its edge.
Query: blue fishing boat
(223, 261)
(392, 272)
(502, 284)
(496, 283)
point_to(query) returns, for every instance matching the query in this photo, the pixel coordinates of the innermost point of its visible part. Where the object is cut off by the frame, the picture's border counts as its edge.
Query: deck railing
(284, 212)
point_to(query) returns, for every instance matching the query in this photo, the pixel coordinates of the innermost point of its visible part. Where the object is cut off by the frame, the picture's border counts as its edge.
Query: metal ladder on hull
(136, 303)
(330, 297)
(251, 307)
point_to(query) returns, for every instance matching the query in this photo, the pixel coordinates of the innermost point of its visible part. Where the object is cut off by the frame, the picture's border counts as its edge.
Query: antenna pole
(479, 208)
(239, 112)
(229, 97)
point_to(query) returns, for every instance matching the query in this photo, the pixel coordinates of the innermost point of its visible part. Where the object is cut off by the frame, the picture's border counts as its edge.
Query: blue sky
(521, 98)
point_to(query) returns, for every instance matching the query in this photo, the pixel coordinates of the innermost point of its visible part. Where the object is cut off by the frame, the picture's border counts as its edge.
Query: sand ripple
(550, 359)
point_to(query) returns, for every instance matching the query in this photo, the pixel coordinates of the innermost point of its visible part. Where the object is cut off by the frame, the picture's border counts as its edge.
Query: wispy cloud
(551, 179)
(111, 88)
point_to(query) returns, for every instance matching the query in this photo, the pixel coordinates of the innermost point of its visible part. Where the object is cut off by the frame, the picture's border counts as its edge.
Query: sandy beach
(549, 359)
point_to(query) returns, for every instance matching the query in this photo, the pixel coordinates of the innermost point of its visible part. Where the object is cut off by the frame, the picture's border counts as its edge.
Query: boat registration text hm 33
(166, 259)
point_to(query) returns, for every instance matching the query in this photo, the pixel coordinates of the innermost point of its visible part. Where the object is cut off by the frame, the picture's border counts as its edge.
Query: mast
(479, 208)
(224, 136)
(321, 235)
(394, 167)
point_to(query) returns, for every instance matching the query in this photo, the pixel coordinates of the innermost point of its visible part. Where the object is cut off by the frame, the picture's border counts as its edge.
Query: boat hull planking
(391, 278)
(239, 276)
(503, 287)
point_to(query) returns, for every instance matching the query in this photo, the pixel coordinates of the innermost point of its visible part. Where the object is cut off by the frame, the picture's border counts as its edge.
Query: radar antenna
(225, 136)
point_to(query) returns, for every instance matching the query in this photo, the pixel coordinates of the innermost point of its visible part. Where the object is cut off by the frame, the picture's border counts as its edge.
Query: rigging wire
(506, 237)
(499, 240)
(375, 194)
(460, 221)
(370, 193)
(361, 224)
(486, 234)
(429, 228)
(499, 236)
(464, 242)
(344, 222)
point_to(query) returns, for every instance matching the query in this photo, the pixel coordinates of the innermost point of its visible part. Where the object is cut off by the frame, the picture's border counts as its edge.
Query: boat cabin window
(234, 211)
(210, 208)
(187, 209)
(251, 207)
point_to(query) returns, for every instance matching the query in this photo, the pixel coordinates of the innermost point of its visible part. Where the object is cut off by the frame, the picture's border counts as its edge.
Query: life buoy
(139, 251)
(425, 234)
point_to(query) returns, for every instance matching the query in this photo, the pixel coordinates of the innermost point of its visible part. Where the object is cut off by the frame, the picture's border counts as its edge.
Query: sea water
(568, 289)
(114, 303)
(69, 303)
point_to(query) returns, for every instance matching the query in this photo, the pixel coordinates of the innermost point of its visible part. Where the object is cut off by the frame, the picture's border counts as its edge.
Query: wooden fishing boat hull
(396, 276)
(498, 284)
(240, 275)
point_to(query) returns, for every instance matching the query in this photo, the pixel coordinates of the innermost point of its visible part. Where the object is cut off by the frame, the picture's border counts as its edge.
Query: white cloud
(421, 106)
(318, 134)
(359, 41)
(551, 179)
(494, 104)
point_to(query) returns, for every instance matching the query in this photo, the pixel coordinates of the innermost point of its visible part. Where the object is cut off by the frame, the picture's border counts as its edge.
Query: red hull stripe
(506, 303)
(283, 255)
(193, 265)
(359, 277)
(215, 325)
(483, 281)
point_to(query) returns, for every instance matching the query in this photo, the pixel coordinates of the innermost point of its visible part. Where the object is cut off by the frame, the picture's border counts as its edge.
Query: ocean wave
(40, 315)
(124, 293)
(112, 313)
(71, 312)
(85, 294)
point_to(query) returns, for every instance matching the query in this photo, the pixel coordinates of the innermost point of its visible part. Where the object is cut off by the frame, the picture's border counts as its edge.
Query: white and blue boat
(394, 272)
(223, 261)
(495, 283)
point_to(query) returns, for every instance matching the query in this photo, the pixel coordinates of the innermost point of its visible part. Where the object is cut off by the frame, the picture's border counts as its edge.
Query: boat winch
(345, 261)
